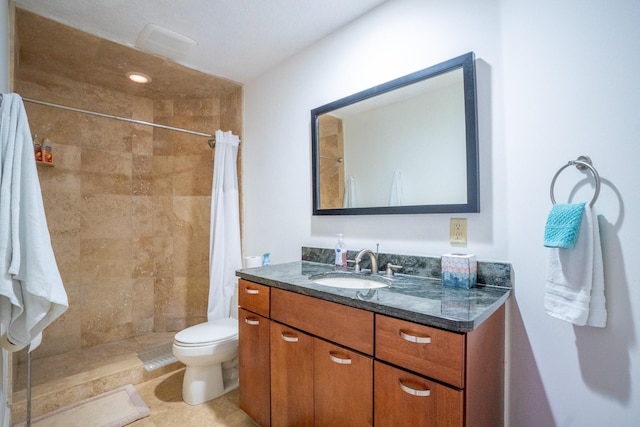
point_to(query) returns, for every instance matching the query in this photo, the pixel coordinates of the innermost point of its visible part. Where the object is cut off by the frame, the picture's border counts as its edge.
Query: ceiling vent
(164, 42)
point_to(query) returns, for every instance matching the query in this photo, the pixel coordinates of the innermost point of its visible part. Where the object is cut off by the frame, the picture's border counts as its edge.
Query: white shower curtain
(396, 198)
(224, 244)
(350, 193)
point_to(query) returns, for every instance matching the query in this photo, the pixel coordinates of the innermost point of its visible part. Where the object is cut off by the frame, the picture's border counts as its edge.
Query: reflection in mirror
(407, 146)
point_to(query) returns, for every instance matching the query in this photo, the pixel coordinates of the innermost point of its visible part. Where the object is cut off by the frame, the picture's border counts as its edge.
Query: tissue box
(459, 270)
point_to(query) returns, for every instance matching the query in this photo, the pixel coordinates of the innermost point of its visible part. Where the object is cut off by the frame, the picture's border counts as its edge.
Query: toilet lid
(209, 332)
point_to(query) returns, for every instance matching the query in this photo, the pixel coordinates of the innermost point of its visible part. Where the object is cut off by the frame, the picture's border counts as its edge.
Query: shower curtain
(224, 244)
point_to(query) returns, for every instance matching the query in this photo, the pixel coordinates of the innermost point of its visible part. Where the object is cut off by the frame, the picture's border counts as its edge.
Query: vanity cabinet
(343, 386)
(406, 399)
(253, 351)
(315, 381)
(292, 377)
(321, 363)
(440, 378)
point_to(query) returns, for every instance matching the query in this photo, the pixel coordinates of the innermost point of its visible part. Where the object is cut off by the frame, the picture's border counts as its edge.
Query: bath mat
(157, 357)
(115, 408)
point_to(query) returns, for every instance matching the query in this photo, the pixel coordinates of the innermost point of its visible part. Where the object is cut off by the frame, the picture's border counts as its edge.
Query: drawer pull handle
(340, 360)
(415, 392)
(289, 337)
(414, 338)
(253, 321)
(251, 291)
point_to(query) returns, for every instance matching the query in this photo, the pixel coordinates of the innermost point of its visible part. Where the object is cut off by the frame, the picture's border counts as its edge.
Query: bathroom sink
(349, 281)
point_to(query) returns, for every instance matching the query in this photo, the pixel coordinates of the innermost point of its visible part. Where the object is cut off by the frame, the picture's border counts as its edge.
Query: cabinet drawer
(348, 326)
(253, 297)
(428, 351)
(405, 399)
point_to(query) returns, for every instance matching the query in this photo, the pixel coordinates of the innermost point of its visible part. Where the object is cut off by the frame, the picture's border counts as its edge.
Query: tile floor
(83, 373)
(163, 396)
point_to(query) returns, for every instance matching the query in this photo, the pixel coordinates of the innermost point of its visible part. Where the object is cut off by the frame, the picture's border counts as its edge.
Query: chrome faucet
(372, 257)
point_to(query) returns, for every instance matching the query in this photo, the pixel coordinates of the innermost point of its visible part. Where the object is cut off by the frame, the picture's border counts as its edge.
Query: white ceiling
(237, 39)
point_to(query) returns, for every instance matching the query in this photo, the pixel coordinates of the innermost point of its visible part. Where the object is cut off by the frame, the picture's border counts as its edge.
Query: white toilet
(210, 352)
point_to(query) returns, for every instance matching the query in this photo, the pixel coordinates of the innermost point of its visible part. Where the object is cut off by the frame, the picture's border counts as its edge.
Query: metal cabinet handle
(414, 338)
(413, 391)
(340, 360)
(252, 291)
(253, 321)
(289, 337)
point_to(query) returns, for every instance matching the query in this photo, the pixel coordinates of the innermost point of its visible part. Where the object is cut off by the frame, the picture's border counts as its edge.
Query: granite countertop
(415, 298)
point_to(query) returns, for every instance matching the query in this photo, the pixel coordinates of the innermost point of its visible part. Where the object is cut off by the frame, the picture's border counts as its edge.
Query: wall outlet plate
(458, 231)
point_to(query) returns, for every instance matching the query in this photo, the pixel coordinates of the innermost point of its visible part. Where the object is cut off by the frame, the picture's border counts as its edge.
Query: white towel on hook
(397, 196)
(574, 289)
(350, 193)
(31, 291)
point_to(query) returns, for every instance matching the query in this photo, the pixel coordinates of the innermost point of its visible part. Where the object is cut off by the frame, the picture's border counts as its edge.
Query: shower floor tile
(44, 370)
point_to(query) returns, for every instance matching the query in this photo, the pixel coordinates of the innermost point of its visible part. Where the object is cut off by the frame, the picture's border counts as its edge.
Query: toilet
(210, 352)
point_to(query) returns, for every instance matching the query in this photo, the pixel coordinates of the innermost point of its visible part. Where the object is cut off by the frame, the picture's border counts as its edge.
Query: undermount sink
(349, 281)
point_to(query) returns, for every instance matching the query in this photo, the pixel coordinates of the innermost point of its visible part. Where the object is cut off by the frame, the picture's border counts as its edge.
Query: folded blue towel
(563, 224)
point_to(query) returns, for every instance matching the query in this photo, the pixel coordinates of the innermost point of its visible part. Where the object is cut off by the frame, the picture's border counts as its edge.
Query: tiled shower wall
(127, 208)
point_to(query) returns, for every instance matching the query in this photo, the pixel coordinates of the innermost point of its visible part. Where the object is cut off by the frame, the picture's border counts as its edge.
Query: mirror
(406, 146)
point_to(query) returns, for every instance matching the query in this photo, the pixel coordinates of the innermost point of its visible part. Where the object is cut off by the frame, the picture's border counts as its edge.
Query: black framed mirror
(406, 146)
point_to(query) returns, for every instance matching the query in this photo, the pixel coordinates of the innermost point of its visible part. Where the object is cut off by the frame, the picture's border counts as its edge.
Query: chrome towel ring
(581, 163)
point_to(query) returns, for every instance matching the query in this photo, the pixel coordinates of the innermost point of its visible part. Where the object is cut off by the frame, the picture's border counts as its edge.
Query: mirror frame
(467, 63)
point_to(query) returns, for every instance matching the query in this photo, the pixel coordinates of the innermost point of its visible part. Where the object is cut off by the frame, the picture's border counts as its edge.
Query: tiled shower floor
(64, 379)
(88, 359)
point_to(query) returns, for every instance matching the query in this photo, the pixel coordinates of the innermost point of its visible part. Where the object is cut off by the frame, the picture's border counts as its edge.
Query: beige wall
(127, 208)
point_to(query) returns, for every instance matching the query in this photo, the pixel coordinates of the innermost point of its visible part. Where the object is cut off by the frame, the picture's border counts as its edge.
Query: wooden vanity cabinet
(253, 351)
(291, 377)
(445, 378)
(315, 364)
(406, 399)
(315, 381)
(343, 386)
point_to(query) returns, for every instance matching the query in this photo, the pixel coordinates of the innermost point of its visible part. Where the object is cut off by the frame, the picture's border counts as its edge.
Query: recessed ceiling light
(138, 77)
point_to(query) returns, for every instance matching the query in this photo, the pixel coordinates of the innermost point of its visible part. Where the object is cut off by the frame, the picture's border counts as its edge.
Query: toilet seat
(214, 332)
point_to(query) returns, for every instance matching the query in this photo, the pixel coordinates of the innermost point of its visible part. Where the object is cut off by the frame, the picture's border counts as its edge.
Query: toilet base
(203, 383)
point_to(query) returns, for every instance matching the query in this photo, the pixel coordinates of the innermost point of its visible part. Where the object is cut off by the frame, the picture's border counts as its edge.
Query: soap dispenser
(341, 254)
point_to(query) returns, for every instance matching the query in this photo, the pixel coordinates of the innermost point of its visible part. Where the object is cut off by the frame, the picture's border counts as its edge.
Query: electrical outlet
(458, 231)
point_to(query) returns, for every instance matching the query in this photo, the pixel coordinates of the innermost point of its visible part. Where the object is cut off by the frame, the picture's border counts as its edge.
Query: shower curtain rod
(212, 139)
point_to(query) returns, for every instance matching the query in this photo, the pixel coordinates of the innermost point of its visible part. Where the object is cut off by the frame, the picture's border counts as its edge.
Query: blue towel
(563, 225)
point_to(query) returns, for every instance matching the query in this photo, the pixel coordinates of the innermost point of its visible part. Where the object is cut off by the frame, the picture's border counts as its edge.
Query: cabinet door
(253, 359)
(404, 399)
(291, 377)
(343, 386)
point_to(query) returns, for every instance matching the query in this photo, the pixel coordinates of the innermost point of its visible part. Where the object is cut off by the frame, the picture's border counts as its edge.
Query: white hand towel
(574, 289)
(31, 291)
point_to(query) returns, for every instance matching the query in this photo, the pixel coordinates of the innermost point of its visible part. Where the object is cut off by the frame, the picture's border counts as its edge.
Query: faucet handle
(390, 268)
(357, 264)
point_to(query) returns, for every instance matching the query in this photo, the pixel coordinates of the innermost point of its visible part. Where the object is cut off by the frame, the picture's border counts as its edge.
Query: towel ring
(581, 163)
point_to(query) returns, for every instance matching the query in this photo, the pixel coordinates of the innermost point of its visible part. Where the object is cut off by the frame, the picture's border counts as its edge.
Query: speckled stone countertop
(415, 298)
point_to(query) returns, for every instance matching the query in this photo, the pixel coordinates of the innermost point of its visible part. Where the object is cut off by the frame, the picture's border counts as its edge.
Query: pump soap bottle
(341, 254)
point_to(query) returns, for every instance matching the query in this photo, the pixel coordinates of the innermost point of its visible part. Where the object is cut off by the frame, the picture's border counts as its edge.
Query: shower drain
(157, 357)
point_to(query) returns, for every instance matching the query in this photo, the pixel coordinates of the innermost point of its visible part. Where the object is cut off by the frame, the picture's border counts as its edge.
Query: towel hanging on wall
(575, 287)
(31, 291)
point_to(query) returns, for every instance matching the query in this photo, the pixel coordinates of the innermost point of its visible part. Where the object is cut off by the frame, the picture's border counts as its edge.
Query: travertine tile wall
(127, 208)
(332, 177)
